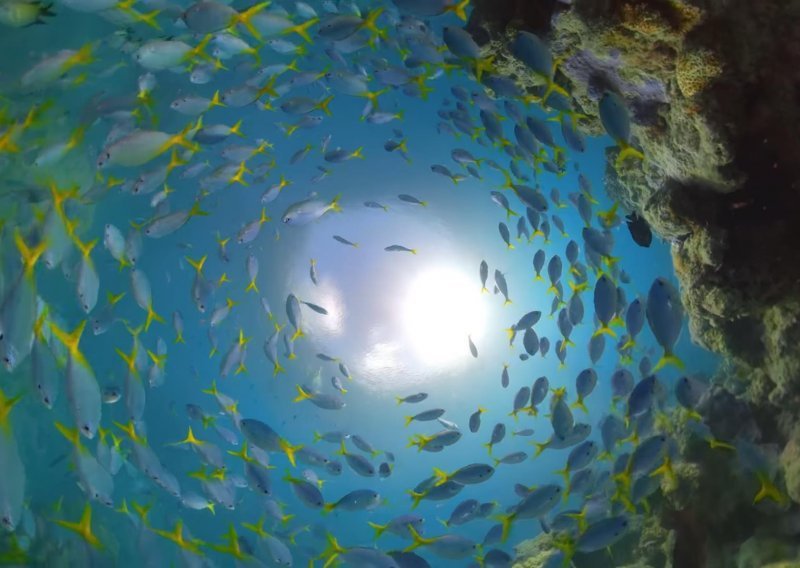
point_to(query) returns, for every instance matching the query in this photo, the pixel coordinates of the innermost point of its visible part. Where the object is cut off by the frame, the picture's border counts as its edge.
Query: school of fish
(295, 61)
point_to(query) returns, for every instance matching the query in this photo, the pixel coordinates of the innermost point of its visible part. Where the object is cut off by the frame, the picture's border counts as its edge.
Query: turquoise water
(368, 292)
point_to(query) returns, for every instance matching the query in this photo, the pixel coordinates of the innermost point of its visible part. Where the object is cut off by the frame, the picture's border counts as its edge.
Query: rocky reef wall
(714, 91)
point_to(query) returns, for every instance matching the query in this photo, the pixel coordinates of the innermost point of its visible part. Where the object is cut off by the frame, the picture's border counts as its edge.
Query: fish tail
(508, 301)
(148, 18)
(334, 204)
(290, 451)
(418, 540)
(302, 29)
(152, 316)
(215, 101)
(719, 445)
(198, 52)
(441, 476)
(626, 151)
(324, 104)
(379, 529)
(252, 286)
(506, 521)
(668, 359)
(302, 394)
(459, 9)
(328, 507)
(580, 404)
(237, 129)
(244, 18)
(297, 335)
(768, 490)
(331, 552)
(665, 469)
(370, 23)
(604, 329)
(540, 447)
(71, 434)
(277, 368)
(409, 419)
(30, 256)
(195, 211)
(630, 344)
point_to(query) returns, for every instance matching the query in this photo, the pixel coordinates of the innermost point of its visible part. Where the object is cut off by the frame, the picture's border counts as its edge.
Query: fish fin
(195, 211)
(418, 540)
(290, 451)
(668, 359)
(152, 316)
(719, 445)
(626, 151)
(768, 490)
(379, 529)
(580, 404)
(302, 394)
(302, 29)
(505, 521)
(244, 18)
(334, 204)
(441, 476)
(459, 9)
(604, 329)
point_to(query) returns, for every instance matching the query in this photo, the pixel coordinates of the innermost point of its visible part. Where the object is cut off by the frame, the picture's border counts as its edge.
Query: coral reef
(713, 88)
(790, 460)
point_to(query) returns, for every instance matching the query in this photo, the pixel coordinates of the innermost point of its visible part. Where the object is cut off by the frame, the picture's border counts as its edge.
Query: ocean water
(400, 322)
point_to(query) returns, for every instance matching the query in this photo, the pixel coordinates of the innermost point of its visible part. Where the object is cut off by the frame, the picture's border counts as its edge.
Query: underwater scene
(399, 283)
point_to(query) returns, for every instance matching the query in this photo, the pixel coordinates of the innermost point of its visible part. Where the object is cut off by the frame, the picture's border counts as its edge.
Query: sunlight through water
(441, 308)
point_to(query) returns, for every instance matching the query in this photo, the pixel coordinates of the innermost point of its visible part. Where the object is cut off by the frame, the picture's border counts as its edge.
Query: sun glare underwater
(317, 283)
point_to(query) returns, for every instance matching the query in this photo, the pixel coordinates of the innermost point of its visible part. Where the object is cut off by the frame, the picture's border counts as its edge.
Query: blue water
(365, 289)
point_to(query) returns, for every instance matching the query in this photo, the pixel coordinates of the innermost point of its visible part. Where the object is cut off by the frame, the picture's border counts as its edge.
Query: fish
(411, 199)
(483, 271)
(502, 286)
(602, 534)
(584, 386)
(425, 416)
(639, 229)
(412, 398)
(498, 434)
(475, 420)
(344, 241)
(467, 475)
(505, 234)
(665, 317)
(308, 210)
(615, 118)
(605, 304)
(400, 248)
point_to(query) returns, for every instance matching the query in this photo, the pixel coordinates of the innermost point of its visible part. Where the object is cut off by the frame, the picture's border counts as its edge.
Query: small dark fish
(640, 230)
(344, 241)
